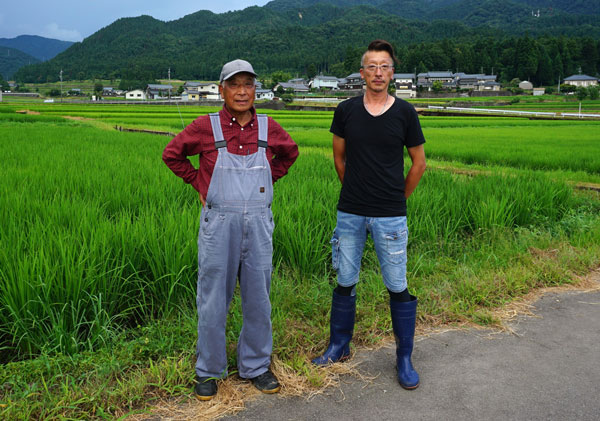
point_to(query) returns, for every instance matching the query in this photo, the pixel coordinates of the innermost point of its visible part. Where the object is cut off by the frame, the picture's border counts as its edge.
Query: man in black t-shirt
(370, 133)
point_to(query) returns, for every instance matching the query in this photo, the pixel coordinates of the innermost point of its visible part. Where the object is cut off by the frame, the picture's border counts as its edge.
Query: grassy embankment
(97, 264)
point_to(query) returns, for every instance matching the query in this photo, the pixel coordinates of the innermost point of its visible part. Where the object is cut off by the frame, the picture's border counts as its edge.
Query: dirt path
(235, 394)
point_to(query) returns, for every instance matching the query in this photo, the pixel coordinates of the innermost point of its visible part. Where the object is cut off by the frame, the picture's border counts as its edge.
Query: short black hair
(380, 45)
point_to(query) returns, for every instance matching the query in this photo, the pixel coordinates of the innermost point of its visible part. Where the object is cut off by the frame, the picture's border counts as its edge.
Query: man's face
(374, 72)
(238, 92)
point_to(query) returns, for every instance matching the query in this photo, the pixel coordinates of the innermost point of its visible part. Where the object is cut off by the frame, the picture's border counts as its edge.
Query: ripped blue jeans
(389, 234)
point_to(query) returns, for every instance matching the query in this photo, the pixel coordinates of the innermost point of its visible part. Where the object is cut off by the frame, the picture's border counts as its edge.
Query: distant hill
(12, 59)
(39, 47)
(291, 35)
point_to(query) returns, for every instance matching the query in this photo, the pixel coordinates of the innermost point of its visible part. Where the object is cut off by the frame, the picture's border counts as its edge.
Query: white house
(136, 94)
(202, 87)
(324, 82)
(581, 80)
(405, 85)
(264, 94)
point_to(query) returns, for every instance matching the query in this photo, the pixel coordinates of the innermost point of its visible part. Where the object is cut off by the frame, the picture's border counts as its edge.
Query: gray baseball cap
(234, 67)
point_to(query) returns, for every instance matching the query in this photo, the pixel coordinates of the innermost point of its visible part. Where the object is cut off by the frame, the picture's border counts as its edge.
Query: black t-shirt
(374, 175)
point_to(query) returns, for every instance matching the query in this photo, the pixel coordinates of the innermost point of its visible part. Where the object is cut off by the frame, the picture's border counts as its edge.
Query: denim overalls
(236, 240)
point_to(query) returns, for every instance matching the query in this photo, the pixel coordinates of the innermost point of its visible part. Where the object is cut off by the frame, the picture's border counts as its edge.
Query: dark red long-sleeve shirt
(197, 139)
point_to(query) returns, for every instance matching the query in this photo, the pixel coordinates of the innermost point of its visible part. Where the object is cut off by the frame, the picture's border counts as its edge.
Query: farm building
(526, 85)
(136, 94)
(324, 82)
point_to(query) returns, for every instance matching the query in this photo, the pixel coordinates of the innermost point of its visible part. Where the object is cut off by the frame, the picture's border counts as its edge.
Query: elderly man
(370, 133)
(241, 155)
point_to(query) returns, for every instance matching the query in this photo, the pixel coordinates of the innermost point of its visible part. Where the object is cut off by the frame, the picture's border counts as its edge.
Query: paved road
(548, 370)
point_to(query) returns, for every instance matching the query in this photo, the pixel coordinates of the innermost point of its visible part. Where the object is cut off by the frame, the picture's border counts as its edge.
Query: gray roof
(404, 75)
(295, 86)
(159, 87)
(436, 74)
(321, 77)
(353, 76)
(580, 77)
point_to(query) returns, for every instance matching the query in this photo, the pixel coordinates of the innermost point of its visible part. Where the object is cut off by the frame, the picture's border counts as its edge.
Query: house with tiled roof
(154, 91)
(296, 87)
(581, 80)
(426, 79)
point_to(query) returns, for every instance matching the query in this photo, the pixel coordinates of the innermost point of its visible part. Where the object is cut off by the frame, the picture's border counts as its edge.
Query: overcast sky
(74, 20)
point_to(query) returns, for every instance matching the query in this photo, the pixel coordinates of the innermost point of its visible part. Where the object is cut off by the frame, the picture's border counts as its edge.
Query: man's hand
(202, 199)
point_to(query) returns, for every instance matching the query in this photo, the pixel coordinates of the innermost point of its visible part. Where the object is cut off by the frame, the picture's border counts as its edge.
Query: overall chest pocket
(249, 185)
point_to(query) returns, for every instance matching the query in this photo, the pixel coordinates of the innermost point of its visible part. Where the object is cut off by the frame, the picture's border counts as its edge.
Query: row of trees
(542, 61)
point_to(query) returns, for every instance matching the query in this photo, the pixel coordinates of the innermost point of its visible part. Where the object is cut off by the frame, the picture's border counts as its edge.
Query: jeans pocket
(335, 252)
(395, 246)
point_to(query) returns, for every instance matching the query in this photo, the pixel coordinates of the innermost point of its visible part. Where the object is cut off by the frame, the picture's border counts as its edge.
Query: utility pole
(169, 84)
(61, 90)
(558, 84)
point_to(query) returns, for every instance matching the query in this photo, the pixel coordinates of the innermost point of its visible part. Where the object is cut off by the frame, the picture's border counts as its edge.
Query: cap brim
(230, 75)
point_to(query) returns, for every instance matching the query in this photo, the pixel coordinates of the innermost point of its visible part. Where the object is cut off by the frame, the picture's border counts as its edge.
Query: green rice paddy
(98, 245)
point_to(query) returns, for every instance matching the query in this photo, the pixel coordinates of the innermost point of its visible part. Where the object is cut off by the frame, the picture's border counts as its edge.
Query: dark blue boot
(403, 320)
(341, 326)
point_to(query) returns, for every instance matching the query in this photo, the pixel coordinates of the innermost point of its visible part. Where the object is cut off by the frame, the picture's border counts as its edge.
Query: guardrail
(513, 112)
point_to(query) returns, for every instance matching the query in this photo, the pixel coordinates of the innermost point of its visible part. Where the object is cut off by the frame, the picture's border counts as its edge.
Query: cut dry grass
(235, 393)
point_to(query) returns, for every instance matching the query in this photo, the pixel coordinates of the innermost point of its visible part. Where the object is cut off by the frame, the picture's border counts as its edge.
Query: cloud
(52, 30)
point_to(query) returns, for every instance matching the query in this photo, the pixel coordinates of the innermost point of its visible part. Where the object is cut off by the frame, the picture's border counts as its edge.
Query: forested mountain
(38, 47)
(12, 59)
(464, 35)
(426, 9)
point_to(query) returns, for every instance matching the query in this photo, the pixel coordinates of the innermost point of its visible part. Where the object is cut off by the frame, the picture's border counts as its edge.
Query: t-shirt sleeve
(414, 134)
(337, 124)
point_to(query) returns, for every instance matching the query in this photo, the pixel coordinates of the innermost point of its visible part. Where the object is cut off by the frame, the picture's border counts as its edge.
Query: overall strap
(215, 122)
(263, 129)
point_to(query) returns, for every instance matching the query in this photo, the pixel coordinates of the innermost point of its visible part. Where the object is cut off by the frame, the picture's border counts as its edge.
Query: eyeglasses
(236, 86)
(373, 67)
